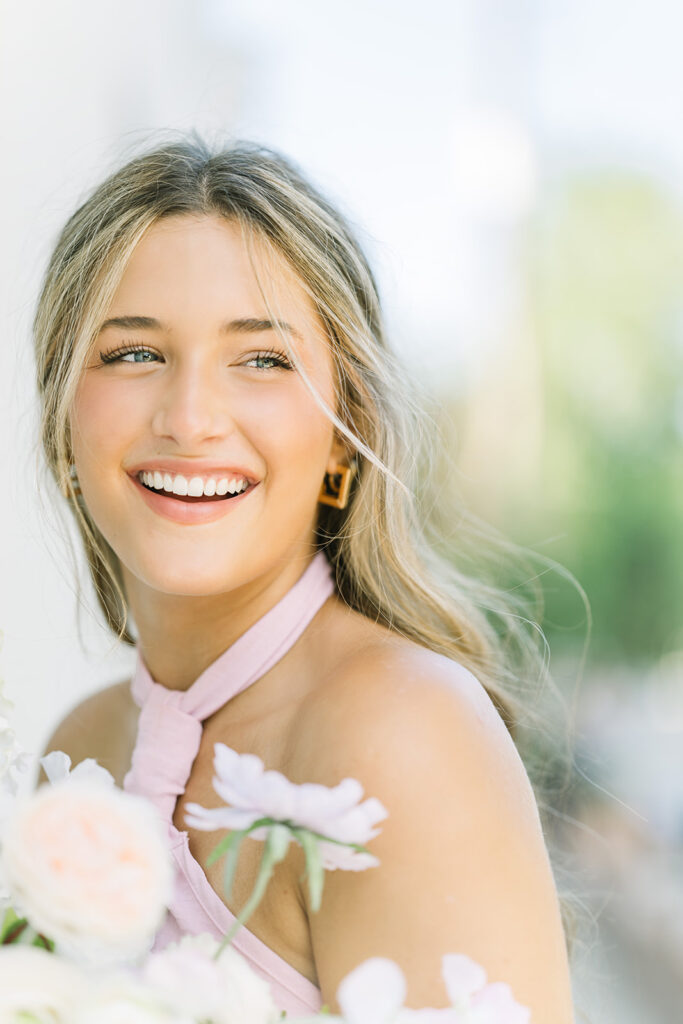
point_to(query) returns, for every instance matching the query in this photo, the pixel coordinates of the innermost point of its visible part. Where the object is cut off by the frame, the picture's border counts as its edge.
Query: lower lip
(188, 512)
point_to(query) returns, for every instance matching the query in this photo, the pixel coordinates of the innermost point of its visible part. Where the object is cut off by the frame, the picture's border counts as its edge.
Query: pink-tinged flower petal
(277, 796)
(356, 824)
(211, 819)
(462, 976)
(334, 856)
(373, 992)
(495, 1004)
(89, 866)
(317, 801)
(244, 785)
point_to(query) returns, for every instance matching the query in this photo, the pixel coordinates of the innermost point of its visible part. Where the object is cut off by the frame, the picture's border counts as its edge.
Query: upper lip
(192, 468)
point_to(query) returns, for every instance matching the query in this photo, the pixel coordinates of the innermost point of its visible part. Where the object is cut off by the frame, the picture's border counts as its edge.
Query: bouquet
(85, 879)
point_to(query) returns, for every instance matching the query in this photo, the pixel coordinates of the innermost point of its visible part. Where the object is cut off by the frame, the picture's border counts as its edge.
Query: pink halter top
(169, 733)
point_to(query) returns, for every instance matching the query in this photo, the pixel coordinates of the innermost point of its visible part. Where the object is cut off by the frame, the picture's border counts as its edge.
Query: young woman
(240, 451)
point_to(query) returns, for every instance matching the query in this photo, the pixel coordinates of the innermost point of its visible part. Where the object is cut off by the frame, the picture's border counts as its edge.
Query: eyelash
(279, 358)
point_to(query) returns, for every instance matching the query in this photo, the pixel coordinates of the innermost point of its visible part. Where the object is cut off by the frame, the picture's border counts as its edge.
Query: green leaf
(15, 930)
(10, 918)
(42, 942)
(274, 850)
(222, 847)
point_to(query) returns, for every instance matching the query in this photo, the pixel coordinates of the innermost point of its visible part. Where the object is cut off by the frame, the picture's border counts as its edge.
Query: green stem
(314, 867)
(273, 852)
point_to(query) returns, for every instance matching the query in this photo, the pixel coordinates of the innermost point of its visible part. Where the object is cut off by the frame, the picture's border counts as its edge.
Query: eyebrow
(244, 325)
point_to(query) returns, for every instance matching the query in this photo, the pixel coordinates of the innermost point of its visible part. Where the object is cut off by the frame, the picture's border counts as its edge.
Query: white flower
(57, 767)
(187, 977)
(14, 763)
(122, 998)
(6, 705)
(478, 1002)
(36, 983)
(373, 993)
(253, 793)
(89, 866)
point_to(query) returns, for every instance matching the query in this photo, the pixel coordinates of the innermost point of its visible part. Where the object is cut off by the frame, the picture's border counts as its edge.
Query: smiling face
(198, 386)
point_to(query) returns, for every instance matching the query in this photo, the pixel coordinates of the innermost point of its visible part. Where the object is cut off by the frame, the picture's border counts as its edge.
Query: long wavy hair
(401, 553)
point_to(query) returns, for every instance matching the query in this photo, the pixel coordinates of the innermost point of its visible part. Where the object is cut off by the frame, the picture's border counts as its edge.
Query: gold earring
(336, 486)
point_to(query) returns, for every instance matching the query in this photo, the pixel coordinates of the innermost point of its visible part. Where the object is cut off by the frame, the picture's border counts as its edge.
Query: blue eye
(276, 359)
(271, 359)
(118, 354)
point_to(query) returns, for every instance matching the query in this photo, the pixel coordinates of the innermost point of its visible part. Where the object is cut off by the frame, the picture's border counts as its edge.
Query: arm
(464, 867)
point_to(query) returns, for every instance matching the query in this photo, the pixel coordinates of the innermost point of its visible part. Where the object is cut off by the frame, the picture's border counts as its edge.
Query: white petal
(355, 825)
(278, 797)
(211, 819)
(431, 1016)
(7, 741)
(373, 992)
(335, 856)
(495, 1004)
(462, 976)
(91, 770)
(333, 811)
(24, 762)
(56, 765)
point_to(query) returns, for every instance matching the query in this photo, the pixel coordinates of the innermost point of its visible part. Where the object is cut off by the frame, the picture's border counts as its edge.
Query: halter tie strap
(170, 723)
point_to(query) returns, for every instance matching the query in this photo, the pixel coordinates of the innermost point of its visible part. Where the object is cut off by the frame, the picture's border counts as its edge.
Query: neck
(180, 636)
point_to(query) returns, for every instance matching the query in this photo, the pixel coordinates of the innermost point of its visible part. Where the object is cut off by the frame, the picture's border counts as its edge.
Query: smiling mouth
(189, 499)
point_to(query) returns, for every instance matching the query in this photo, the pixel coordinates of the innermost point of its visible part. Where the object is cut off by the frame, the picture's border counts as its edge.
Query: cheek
(294, 436)
(101, 419)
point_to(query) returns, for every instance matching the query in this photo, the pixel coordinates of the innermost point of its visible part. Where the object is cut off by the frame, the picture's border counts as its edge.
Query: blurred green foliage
(604, 264)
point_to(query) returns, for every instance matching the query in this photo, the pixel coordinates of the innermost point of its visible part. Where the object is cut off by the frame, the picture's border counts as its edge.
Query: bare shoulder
(396, 716)
(101, 726)
(463, 865)
(393, 694)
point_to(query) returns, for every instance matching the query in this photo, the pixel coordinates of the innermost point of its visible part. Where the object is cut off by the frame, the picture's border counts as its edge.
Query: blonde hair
(390, 549)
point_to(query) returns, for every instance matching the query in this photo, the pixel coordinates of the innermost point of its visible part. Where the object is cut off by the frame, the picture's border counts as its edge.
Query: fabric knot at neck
(170, 723)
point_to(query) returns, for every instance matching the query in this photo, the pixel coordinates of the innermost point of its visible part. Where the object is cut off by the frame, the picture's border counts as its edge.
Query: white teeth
(195, 486)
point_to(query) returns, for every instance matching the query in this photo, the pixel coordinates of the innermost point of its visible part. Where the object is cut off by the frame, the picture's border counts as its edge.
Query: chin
(191, 577)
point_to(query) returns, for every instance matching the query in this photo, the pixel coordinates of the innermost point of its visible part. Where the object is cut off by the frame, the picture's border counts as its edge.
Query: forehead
(206, 266)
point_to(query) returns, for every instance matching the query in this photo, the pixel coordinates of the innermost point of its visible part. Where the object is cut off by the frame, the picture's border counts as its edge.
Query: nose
(193, 407)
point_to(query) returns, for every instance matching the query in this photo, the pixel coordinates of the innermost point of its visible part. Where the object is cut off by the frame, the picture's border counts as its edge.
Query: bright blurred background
(515, 172)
